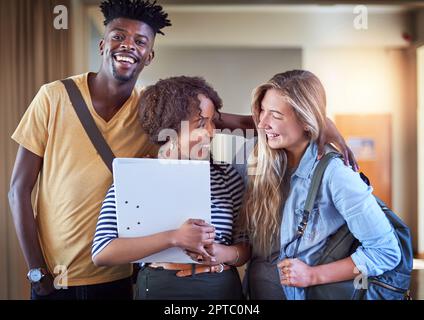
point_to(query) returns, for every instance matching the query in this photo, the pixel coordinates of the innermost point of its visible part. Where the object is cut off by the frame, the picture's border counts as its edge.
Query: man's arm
(24, 176)
(329, 135)
(234, 122)
(332, 135)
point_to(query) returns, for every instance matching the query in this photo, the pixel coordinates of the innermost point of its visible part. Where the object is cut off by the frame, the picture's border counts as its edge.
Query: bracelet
(238, 257)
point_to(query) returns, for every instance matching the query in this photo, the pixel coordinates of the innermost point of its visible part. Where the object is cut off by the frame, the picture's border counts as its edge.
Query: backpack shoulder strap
(317, 178)
(88, 123)
(312, 194)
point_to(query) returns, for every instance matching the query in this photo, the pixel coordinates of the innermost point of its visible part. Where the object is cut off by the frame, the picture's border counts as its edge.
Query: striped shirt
(227, 190)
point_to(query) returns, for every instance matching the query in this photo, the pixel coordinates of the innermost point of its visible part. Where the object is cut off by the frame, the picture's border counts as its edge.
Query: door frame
(420, 145)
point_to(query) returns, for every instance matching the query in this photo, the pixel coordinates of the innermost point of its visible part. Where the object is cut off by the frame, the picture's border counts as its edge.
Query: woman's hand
(296, 273)
(332, 135)
(216, 255)
(194, 235)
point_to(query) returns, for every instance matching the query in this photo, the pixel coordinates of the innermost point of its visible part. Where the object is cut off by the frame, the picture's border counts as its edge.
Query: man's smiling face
(126, 48)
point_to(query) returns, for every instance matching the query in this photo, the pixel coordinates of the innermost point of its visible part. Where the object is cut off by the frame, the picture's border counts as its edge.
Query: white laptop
(154, 195)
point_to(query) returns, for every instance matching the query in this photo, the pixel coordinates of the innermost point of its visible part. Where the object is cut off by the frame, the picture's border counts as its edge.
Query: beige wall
(279, 26)
(377, 80)
(233, 72)
(80, 36)
(286, 26)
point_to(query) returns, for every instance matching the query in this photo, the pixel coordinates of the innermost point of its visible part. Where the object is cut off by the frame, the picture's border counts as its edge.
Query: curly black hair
(141, 10)
(168, 102)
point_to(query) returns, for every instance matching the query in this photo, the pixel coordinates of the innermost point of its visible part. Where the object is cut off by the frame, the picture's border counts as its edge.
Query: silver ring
(221, 268)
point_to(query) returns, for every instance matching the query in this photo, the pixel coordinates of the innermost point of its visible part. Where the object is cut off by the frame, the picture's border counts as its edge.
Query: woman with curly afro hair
(179, 114)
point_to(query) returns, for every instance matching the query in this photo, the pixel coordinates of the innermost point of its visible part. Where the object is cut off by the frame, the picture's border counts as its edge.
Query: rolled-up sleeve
(107, 227)
(379, 250)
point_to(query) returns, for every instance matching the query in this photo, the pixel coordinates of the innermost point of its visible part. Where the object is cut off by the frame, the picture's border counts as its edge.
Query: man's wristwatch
(36, 275)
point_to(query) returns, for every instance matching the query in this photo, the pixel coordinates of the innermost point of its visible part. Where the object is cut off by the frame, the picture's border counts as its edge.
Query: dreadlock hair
(141, 10)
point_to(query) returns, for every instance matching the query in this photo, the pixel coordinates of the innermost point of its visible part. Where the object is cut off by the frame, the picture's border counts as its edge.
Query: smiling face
(127, 48)
(280, 123)
(201, 131)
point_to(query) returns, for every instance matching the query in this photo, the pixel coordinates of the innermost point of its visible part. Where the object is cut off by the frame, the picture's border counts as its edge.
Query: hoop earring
(173, 145)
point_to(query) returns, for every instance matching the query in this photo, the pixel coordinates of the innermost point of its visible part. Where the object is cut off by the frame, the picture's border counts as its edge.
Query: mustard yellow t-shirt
(74, 179)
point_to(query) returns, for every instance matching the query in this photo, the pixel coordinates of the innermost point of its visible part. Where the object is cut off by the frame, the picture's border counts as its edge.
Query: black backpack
(391, 285)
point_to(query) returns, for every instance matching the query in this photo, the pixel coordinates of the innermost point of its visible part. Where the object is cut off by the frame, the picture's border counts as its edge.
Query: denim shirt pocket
(313, 227)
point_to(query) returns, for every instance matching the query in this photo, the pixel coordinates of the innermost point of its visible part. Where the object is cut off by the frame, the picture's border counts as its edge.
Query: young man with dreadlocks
(72, 177)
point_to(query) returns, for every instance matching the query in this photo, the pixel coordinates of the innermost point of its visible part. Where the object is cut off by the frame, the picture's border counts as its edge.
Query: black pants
(116, 290)
(160, 284)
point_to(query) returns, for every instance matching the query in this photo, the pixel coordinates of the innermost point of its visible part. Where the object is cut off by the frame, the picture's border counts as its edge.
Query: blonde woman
(289, 112)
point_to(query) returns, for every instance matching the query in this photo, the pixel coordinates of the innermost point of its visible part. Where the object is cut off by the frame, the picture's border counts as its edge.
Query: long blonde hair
(268, 177)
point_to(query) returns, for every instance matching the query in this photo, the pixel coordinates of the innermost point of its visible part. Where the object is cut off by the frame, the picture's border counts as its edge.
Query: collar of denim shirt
(308, 161)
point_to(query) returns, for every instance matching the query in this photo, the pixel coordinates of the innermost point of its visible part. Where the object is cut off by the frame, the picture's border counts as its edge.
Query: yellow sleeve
(32, 131)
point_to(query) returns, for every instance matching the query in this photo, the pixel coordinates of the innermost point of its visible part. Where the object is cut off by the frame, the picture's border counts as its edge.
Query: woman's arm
(192, 235)
(296, 273)
(108, 249)
(352, 198)
(379, 250)
(235, 255)
(127, 250)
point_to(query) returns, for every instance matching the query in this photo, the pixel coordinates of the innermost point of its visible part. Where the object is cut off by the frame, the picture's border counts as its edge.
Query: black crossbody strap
(88, 123)
(312, 194)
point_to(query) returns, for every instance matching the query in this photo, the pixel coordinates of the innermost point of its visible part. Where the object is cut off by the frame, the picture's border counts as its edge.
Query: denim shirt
(343, 198)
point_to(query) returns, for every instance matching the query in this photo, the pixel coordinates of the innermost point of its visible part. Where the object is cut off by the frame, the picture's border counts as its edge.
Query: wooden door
(369, 137)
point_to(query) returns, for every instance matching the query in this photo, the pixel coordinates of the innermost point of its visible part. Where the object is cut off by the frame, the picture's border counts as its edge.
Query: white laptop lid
(155, 195)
